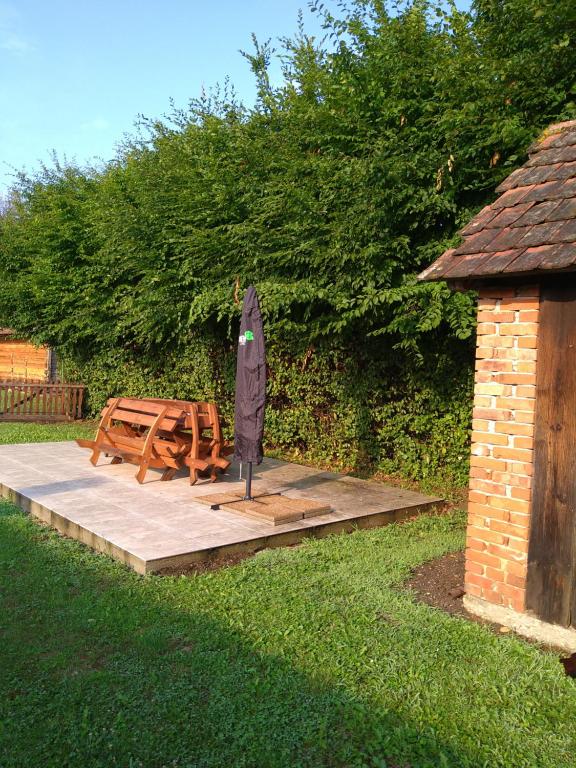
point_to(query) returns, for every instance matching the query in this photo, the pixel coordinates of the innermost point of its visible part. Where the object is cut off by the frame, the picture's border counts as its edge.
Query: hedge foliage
(329, 195)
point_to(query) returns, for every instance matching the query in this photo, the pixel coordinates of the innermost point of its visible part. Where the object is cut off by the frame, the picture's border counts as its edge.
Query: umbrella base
(271, 508)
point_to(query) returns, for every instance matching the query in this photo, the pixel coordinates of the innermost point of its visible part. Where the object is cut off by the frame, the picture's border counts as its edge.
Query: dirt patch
(440, 583)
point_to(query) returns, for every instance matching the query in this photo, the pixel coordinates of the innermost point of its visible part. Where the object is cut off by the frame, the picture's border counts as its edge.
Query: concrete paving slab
(158, 526)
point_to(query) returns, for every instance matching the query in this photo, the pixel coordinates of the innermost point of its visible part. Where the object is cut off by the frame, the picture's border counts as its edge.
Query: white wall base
(523, 623)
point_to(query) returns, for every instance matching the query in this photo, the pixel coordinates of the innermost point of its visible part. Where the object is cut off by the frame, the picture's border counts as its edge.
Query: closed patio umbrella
(250, 388)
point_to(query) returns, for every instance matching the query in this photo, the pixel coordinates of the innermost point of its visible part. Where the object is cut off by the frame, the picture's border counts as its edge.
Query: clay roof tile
(532, 225)
(567, 232)
(554, 155)
(509, 216)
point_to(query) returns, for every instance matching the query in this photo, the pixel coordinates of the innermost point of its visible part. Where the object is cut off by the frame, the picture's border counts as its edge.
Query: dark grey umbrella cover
(250, 383)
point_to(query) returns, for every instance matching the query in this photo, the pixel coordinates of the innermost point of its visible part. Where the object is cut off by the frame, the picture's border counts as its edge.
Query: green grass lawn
(23, 432)
(309, 656)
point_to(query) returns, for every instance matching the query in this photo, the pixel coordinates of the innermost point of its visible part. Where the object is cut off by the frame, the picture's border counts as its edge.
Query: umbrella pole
(248, 494)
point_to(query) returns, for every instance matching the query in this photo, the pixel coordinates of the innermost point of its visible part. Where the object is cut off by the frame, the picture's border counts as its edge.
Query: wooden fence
(38, 401)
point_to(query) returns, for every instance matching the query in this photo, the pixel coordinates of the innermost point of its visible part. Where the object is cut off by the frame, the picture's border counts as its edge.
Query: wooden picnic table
(203, 427)
(163, 434)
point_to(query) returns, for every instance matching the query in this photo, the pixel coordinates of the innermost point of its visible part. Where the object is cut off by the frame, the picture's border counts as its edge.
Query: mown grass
(309, 656)
(26, 432)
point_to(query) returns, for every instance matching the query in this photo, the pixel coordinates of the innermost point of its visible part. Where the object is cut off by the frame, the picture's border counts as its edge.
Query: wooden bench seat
(140, 432)
(208, 450)
(162, 434)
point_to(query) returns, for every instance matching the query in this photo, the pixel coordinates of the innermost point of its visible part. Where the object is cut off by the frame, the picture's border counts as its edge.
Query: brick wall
(502, 445)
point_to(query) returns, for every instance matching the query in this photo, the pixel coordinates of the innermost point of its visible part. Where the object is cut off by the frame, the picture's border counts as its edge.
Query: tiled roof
(531, 228)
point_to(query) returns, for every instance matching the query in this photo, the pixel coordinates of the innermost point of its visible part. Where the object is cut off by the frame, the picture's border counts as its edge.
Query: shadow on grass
(99, 668)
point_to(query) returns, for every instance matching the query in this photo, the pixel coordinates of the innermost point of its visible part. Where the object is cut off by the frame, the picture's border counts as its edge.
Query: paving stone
(159, 525)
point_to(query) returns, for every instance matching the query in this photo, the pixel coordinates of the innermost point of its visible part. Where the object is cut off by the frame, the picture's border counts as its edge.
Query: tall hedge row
(329, 194)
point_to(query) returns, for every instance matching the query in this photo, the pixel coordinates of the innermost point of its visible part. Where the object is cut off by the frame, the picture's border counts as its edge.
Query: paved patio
(158, 526)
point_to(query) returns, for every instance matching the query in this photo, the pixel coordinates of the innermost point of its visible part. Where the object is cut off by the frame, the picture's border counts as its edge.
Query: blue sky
(76, 73)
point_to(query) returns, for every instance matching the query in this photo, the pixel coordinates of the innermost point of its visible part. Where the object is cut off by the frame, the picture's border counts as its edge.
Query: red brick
(527, 342)
(479, 581)
(488, 487)
(514, 454)
(511, 505)
(472, 567)
(518, 329)
(523, 390)
(524, 379)
(484, 353)
(497, 341)
(492, 597)
(520, 468)
(515, 403)
(524, 494)
(472, 589)
(520, 303)
(519, 603)
(511, 428)
(486, 304)
(506, 553)
(493, 316)
(523, 442)
(493, 388)
(476, 508)
(478, 522)
(476, 544)
(507, 590)
(516, 581)
(515, 354)
(481, 425)
(518, 545)
(493, 513)
(495, 574)
(492, 414)
(526, 366)
(524, 417)
(480, 461)
(529, 315)
(516, 481)
(494, 365)
(475, 497)
(515, 569)
(480, 472)
(484, 329)
(521, 519)
(483, 558)
(490, 537)
(490, 438)
(518, 531)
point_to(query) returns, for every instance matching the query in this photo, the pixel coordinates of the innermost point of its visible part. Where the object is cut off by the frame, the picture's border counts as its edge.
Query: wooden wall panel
(550, 589)
(19, 359)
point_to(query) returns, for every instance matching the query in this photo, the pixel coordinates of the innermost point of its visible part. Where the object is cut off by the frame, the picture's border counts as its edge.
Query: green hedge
(365, 410)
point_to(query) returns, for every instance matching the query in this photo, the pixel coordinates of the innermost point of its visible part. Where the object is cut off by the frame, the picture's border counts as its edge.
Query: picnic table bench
(162, 434)
(203, 429)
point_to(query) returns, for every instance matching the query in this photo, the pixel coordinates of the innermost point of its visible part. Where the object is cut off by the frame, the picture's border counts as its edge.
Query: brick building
(519, 253)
